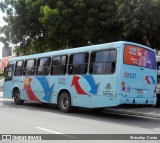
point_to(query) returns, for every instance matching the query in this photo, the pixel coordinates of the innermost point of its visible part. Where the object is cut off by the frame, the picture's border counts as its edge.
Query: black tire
(17, 99)
(158, 102)
(64, 102)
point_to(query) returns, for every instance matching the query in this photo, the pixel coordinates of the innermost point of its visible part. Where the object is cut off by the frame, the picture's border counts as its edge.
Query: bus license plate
(139, 90)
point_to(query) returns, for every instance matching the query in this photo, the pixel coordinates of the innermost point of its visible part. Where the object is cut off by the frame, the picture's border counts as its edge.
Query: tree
(71, 23)
(46, 25)
(110, 26)
(140, 21)
(23, 28)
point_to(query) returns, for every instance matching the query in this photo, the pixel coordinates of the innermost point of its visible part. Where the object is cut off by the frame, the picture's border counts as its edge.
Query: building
(6, 52)
(5, 55)
(4, 62)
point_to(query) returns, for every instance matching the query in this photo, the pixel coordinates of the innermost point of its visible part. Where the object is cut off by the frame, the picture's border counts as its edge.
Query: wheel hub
(65, 102)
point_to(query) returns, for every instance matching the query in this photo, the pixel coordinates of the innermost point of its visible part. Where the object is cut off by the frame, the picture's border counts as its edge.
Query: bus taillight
(123, 89)
(155, 89)
(123, 86)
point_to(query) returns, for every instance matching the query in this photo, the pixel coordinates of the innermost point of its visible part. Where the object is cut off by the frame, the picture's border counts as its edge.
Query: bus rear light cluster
(123, 86)
(155, 89)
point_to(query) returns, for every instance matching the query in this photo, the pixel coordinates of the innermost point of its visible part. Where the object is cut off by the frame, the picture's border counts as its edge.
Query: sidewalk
(146, 111)
(1, 94)
(1, 84)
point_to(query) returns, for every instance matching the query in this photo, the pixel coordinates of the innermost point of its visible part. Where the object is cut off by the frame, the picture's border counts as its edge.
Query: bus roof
(79, 50)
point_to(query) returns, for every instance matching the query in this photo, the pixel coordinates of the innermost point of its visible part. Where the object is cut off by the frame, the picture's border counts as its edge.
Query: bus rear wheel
(64, 102)
(17, 99)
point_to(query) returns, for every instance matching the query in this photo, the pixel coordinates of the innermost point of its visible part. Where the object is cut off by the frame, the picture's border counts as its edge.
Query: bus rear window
(137, 56)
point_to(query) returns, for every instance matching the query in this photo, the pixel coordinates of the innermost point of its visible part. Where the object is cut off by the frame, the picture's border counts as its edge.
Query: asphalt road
(34, 118)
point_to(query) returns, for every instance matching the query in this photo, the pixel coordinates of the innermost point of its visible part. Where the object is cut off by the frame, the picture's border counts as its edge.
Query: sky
(2, 23)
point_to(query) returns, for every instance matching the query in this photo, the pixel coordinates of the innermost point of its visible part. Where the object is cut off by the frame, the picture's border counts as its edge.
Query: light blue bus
(96, 76)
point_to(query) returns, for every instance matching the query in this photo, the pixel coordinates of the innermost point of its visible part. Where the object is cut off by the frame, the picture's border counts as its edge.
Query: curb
(122, 111)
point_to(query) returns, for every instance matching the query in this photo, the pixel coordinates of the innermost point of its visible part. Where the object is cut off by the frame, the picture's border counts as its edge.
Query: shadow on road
(105, 116)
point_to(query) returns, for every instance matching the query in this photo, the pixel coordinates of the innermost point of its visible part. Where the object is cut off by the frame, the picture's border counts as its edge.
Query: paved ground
(34, 118)
(1, 84)
(146, 111)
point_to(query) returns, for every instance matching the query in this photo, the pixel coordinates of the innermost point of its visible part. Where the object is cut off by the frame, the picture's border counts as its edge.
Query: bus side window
(103, 62)
(78, 63)
(18, 68)
(29, 67)
(112, 60)
(8, 72)
(43, 66)
(59, 65)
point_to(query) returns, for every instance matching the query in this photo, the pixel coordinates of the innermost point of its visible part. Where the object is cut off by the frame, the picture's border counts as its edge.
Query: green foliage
(47, 25)
(109, 21)
(140, 21)
(1, 73)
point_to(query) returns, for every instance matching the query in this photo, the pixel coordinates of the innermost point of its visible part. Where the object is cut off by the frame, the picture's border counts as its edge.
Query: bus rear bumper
(144, 101)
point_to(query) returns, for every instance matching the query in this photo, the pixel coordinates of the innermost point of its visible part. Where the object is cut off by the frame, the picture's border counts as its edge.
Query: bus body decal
(130, 75)
(150, 80)
(153, 81)
(47, 90)
(91, 82)
(94, 87)
(29, 91)
(77, 86)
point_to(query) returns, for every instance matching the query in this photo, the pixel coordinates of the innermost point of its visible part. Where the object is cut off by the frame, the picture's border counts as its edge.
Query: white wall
(2, 23)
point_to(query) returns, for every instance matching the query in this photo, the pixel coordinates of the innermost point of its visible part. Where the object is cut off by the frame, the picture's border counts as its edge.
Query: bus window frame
(68, 64)
(35, 62)
(6, 71)
(22, 68)
(66, 72)
(36, 66)
(109, 49)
